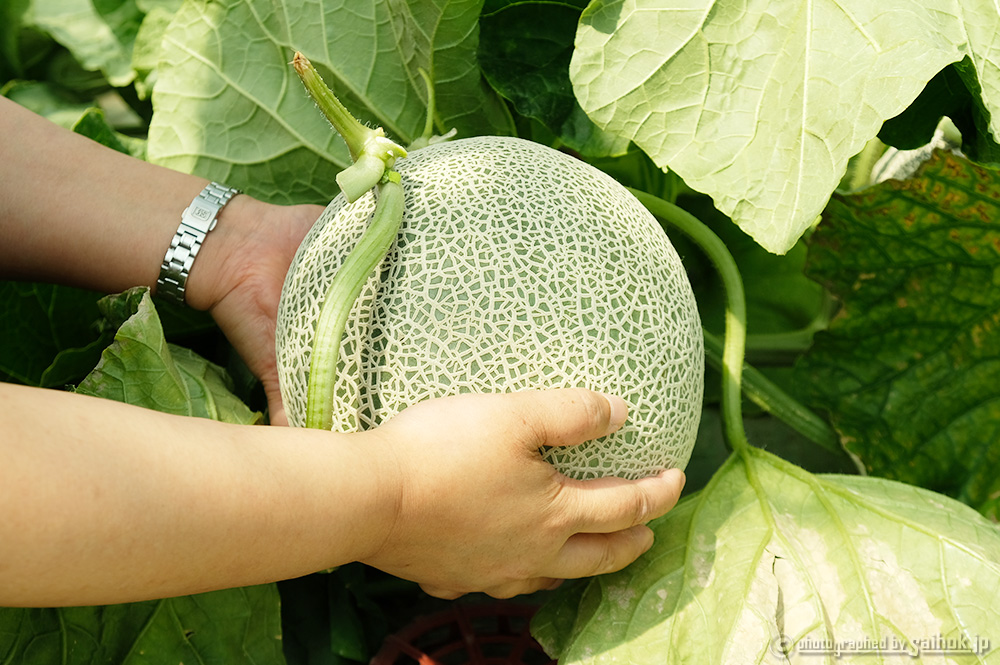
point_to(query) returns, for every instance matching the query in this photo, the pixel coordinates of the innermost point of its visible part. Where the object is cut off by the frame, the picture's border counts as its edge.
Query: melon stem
(371, 152)
(374, 156)
(734, 346)
(728, 356)
(340, 296)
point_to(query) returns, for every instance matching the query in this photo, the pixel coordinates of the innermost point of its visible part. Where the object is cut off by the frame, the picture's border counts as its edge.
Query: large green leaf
(233, 626)
(770, 564)
(908, 369)
(229, 106)
(49, 334)
(142, 369)
(524, 51)
(99, 33)
(761, 104)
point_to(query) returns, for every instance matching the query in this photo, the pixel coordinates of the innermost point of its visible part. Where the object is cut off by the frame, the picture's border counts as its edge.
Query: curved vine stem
(728, 356)
(340, 297)
(736, 315)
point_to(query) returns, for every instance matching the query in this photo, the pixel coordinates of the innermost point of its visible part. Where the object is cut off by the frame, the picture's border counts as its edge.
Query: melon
(516, 267)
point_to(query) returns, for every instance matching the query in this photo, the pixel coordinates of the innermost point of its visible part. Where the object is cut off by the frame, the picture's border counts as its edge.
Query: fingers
(442, 593)
(606, 505)
(583, 555)
(277, 417)
(610, 532)
(569, 416)
(589, 554)
(272, 392)
(500, 591)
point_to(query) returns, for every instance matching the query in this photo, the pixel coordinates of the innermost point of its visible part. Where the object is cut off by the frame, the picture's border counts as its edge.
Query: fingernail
(619, 412)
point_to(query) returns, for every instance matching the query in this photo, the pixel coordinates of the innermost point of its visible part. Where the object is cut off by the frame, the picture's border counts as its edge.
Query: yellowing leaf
(908, 369)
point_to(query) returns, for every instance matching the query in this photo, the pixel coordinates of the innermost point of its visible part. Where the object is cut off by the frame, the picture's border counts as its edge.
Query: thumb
(570, 416)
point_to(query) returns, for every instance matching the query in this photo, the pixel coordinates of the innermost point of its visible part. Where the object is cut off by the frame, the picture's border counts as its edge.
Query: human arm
(74, 212)
(452, 493)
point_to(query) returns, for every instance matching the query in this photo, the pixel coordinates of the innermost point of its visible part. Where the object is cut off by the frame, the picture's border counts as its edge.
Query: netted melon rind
(517, 267)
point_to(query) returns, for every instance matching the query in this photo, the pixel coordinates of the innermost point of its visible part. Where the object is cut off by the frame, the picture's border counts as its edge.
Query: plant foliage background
(872, 303)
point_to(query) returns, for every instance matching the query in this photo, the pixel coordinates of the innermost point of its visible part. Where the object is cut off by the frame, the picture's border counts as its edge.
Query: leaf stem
(431, 105)
(428, 137)
(764, 393)
(779, 347)
(340, 297)
(862, 164)
(735, 339)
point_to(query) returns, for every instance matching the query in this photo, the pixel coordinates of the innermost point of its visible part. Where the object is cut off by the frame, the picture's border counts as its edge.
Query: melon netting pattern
(517, 267)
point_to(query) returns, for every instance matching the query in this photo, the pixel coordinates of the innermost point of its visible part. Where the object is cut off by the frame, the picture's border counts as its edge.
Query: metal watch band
(196, 221)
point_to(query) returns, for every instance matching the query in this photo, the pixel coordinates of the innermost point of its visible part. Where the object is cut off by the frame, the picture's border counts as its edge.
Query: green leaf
(99, 33)
(908, 368)
(769, 562)
(46, 100)
(232, 626)
(148, 46)
(524, 51)
(50, 334)
(762, 105)
(230, 107)
(21, 45)
(141, 369)
(94, 125)
(946, 95)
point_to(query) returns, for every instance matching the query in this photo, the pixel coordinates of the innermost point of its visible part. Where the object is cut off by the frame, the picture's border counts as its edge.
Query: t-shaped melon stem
(373, 155)
(371, 152)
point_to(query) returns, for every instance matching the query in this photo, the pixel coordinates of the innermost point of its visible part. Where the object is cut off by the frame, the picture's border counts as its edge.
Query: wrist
(225, 253)
(198, 219)
(380, 448)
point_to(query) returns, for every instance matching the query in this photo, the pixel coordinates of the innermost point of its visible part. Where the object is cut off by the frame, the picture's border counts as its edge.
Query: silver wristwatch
(196, 221)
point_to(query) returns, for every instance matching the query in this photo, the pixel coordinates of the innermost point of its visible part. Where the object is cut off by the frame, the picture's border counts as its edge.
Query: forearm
(74, 212)
(109, 503)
